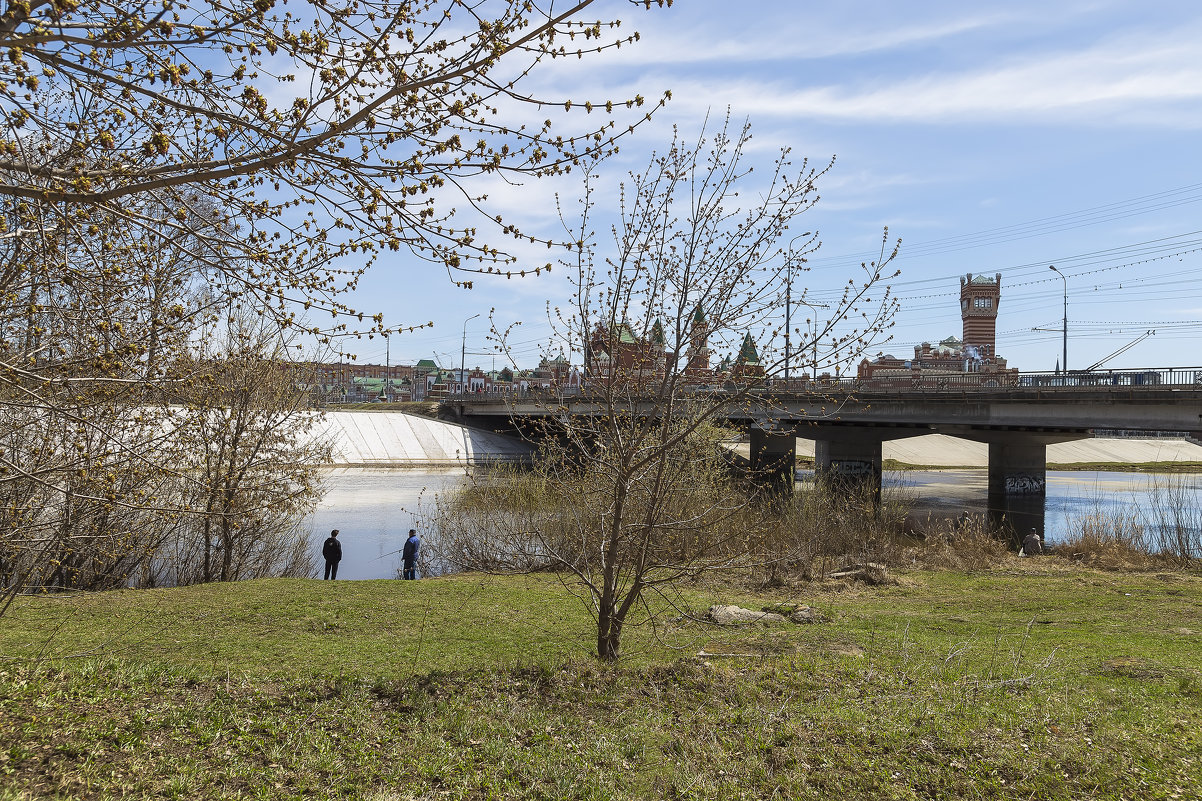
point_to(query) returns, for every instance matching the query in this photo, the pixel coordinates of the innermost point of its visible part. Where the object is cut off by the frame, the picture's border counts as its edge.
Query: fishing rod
(390, 553)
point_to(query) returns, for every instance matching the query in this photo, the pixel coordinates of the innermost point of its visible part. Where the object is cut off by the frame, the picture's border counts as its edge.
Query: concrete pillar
(1018, 483)
(774, 459)
(849, 462)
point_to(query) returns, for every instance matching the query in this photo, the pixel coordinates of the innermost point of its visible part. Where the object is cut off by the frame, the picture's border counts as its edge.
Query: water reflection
(1071, 494)
(375, 508)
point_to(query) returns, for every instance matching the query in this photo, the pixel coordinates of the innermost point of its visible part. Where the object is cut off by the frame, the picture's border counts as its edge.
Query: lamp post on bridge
(789, 303)
(814, 307)
(1064, 329)
(463, 355)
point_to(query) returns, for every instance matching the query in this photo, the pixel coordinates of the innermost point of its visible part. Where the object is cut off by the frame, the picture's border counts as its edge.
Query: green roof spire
(657, 333)
(747, 353)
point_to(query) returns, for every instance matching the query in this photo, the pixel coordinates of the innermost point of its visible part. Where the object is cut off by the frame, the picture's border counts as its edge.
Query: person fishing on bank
(1032, 545)
(409, 555)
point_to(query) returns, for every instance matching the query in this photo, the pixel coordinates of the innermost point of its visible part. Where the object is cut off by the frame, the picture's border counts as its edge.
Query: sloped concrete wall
(382, 439)
(940, 450)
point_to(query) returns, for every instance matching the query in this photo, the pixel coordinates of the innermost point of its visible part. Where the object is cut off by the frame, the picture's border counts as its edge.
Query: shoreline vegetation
(1035, 678)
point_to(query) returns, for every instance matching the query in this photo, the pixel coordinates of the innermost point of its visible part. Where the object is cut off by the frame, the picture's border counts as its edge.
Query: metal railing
(901, 383)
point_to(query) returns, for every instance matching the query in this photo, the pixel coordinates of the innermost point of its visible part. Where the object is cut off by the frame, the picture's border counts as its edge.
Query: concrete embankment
(940, 450)
(396, 439)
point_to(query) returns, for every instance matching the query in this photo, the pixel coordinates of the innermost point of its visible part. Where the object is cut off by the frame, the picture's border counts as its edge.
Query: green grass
(1031, 681)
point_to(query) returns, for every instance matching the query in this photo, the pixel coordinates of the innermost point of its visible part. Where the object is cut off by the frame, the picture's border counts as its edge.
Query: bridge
(849, 419)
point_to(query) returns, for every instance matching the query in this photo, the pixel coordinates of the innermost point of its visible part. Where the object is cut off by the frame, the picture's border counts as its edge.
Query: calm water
(1071, 494)
(375, 508)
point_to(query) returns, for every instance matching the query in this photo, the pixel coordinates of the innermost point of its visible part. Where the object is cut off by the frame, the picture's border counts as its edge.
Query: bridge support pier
(849, 463)
(774, 459)
(1018, 483)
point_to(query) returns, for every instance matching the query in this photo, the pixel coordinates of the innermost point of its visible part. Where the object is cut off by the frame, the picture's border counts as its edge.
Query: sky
(990, 138)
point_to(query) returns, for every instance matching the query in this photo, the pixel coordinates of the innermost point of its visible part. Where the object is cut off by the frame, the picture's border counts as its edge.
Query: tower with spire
(747, 363)
(698, 355)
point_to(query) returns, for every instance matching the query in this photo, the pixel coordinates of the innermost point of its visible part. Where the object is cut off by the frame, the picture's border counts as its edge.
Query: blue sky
(991, 138)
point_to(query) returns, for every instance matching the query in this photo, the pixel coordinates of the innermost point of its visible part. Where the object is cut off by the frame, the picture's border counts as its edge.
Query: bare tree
(633, 496)
(324, 134)
(160, 163)
(97, 468)
(90, 325)
(252, 455)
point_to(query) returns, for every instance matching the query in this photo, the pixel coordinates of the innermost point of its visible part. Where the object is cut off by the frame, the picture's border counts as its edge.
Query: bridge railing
(1092, 380)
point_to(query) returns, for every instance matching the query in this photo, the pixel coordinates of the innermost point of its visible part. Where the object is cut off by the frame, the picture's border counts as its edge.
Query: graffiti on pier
(1025, 484)
(852, 468)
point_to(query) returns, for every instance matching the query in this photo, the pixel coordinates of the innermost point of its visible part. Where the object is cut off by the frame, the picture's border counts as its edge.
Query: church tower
(979, 299)
(699, 352)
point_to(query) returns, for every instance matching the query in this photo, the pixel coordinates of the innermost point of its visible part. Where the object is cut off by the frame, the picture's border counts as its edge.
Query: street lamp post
(1064, 329)
(463, 355)
(814, 331)
(788, 323)
(789, 304)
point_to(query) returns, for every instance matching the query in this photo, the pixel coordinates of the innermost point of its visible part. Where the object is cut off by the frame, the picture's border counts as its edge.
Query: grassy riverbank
(1034, 680)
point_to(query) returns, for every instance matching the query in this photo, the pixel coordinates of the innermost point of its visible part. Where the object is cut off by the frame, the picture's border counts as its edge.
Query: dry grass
(972, 546)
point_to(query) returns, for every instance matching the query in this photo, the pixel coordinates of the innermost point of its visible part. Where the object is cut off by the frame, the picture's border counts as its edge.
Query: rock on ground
(729, 615)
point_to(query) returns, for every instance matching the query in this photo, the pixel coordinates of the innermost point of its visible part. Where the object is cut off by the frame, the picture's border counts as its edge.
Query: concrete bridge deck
(1015, 417)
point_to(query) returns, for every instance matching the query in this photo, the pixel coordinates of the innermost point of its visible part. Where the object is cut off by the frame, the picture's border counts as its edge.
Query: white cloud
(1148, 80)
(695, 34)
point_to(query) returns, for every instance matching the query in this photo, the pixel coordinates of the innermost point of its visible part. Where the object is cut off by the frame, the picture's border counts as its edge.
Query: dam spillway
(397, 439)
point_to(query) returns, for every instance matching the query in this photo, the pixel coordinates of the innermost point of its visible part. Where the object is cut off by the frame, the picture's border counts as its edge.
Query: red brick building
(980, 297)
(975, 353)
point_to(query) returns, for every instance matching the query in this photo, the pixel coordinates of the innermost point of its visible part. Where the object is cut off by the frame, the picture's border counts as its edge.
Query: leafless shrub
(827, 526)
(971, 544)
(1107, 537)
(1173, 520)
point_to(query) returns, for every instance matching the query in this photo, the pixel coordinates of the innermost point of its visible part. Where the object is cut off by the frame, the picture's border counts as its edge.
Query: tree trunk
(609, 634)
(227, 548)
(208, 543)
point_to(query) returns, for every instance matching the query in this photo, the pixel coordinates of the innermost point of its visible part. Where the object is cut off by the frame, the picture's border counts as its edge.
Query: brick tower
(698, 354)
(979, 299)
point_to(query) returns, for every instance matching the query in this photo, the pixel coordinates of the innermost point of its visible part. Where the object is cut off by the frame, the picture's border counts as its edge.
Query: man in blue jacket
(332, 551)
(409, 555)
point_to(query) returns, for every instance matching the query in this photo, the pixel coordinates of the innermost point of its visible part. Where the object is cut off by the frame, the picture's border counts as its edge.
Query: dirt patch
(842, 649)
(1132, 668)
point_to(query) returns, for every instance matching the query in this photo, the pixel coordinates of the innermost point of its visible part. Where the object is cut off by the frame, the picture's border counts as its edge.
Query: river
(375, 508)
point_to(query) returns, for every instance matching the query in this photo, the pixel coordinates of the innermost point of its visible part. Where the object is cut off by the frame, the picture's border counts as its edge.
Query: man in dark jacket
(332, 551)
(409, 555)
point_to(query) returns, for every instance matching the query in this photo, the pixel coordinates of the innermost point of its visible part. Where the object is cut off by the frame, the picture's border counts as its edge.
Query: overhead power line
(1042, 226)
